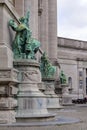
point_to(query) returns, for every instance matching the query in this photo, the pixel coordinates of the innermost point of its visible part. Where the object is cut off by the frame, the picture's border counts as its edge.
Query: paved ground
(79, 112)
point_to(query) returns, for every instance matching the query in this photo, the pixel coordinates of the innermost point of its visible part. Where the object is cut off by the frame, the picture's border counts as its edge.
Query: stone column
(8, 75)
(19, 6)
(8, 90)
(52, 11)
(48, 38)
(43, 24)
(32, 6)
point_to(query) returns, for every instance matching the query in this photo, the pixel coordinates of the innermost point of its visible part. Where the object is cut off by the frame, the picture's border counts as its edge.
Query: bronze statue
(62, 78)
(24, 46)
(47, 69)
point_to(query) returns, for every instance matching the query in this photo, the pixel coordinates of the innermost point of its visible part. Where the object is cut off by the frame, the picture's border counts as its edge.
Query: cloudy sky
(72, 19)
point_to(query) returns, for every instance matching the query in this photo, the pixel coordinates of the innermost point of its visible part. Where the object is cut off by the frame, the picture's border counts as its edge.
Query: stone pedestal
(52, 98)
(8, 91)
(8, 75)
(66, 97)
(31, 102)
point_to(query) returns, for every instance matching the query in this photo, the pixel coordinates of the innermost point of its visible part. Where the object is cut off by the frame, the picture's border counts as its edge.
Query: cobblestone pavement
(78, 111)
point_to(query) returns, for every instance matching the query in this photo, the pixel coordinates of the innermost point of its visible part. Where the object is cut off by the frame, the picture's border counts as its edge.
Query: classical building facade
(71, 54)
(43, 23)
(72, 57)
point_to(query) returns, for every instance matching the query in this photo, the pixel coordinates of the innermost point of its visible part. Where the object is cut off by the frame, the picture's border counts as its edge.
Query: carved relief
(8, 74)
(5, 74)
(6, 90)
(8, 102)
(2, 90)
(15, 75)
(30, 76)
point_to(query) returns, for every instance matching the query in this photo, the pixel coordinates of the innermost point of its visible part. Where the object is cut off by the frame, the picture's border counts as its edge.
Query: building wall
(70, 69)
(71, 54)
(72, 57)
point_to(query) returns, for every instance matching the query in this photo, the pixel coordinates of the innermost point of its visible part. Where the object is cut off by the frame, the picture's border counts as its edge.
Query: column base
(52, 98)
(7, 117)
(66, 97)
(35, 118)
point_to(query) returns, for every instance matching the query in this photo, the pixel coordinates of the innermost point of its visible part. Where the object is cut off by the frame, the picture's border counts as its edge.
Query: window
(70, 82)
(80, 79)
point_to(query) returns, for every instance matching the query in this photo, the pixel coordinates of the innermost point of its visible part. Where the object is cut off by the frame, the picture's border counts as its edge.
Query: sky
(72, 19)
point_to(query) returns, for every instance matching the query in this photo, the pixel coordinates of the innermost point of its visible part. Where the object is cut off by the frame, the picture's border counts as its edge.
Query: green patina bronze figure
(24, 46)
(47, 70)
(62, 78)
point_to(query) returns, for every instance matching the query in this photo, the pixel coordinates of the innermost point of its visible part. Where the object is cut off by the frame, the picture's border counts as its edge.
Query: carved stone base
(53, 103)
(67, 100)
(31, 101)
(8, 90)
(7, 110)
(7, 103)
(52, 98)
(7, 117)
(66, 97)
